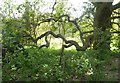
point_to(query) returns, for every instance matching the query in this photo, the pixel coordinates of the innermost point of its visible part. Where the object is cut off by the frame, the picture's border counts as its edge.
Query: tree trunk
(102, 25)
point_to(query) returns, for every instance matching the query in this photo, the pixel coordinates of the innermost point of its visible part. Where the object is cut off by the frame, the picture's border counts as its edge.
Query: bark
(68, 43)
(102, 24)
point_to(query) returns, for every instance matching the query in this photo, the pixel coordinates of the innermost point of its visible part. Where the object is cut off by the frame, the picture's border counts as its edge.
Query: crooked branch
(69, 20)
(68, 43)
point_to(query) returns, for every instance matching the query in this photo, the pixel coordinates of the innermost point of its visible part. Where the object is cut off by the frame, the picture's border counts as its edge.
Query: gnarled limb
(68, 19)
(69, 42)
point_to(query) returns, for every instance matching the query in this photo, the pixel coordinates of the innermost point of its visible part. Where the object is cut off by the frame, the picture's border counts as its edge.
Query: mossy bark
(102, 25)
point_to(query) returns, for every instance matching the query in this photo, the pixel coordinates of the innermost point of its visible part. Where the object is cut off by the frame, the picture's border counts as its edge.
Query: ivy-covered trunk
(102, 24)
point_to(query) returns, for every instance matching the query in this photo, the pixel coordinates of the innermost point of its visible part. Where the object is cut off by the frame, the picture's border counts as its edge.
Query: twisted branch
(69, 42)
(69, 20)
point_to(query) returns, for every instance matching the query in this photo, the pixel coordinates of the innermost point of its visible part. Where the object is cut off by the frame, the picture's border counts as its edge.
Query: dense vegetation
(57, 46)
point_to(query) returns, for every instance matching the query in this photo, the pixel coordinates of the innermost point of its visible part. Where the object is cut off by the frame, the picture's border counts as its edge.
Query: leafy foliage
(24, 60)
(43, 64)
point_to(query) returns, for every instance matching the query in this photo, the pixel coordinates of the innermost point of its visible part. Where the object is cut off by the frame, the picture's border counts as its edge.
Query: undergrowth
(43, 64)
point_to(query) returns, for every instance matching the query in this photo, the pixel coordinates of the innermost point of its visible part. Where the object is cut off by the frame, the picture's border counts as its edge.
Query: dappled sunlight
(59, 40)
(56, 43)
(89, 72)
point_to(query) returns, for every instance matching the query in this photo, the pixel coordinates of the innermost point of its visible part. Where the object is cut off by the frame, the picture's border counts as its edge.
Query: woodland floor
(112, 69)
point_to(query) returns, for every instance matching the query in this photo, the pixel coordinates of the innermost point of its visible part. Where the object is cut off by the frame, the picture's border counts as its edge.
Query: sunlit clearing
(56, 43)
